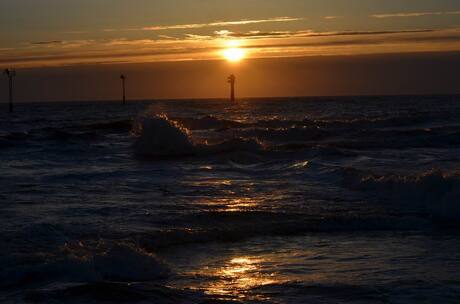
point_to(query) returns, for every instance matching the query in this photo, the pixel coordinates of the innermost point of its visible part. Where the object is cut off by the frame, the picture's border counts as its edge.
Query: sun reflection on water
(241, 204)
(237, 277)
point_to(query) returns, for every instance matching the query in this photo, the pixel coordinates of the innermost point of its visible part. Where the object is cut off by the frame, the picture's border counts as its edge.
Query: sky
(180, 39)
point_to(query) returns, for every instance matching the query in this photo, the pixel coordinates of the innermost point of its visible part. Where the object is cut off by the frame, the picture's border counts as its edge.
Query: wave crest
(78, 262)
(160, 136)
(434, 191)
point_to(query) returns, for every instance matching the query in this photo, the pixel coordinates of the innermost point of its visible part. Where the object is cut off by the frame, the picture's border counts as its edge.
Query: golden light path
(237, 277)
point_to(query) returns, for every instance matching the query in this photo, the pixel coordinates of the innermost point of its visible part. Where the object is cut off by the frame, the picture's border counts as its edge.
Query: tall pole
(11, 93)
(231, 81)
(10, 74)
(232, 91)
(123, 79)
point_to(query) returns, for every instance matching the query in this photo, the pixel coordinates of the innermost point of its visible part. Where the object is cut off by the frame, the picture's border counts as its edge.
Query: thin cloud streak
(332, 17)
(308, 33)
(258, 44)
(219, 23)
(416, 14)
(203, 25)
(47, 42)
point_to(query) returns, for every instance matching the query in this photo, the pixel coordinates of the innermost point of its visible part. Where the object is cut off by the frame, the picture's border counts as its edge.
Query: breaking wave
(207, 123)
(78, 262)
(434, 192)
(160, 136)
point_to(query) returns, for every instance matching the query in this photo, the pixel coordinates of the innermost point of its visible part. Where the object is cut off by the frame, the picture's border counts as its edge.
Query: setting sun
(234, 54)
(246, 151)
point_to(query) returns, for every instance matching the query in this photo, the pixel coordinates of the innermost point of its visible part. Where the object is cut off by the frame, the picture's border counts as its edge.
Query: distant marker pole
(10, 74)
(231, 80)
(123, 80)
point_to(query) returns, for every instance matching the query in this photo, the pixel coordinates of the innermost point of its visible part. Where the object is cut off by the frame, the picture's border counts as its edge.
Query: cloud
(256, 34)
(331, 17)
(416, 14)
(166, 37)
(307, 33)
(46, 42)
(198, 37)
(370, 40)
(197, 25)
(60, 43)
(124, 41)
(259, 44)
(115, 55)
(360, 33)
(218, 23)
(75, 32)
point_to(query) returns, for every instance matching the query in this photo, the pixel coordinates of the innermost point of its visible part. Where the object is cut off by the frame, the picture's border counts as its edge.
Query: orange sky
(43, 33)
(257, 44)
(174, 39)
(411, 73)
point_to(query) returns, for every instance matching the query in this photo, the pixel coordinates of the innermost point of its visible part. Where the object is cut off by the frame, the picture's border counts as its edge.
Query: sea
(267, 200)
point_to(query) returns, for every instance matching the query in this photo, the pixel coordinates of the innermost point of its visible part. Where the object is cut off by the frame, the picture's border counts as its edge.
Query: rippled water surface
(294, 200)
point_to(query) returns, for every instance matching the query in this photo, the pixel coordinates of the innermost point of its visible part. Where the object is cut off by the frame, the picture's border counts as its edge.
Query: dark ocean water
(294, 200)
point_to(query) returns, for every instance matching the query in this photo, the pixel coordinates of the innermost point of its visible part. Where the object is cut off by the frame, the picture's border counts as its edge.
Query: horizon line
(226, 98)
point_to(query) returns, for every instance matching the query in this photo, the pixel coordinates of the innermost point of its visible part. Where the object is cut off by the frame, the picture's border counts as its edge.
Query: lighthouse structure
(123, 81)
(231, 80)
(10, 74)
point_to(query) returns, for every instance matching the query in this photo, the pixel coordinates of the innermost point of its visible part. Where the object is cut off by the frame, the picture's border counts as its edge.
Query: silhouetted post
(123, 79)
(231, 80)
(10, 74)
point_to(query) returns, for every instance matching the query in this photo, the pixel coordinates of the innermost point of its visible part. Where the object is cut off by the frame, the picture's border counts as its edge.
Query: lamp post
(123, 80)
(10, 74)
(231, 80)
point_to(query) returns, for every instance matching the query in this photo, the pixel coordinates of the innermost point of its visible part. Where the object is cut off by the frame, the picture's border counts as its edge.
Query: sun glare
(234, 54)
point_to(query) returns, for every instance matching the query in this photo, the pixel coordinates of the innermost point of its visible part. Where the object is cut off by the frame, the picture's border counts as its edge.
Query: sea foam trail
(160, 136)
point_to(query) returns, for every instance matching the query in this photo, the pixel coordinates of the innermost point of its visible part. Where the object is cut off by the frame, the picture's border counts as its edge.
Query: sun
(234, 54)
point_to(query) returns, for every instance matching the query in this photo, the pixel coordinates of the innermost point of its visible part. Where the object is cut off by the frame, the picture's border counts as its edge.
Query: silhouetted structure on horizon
(123, 80)
(231, 80)
(10, 74)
